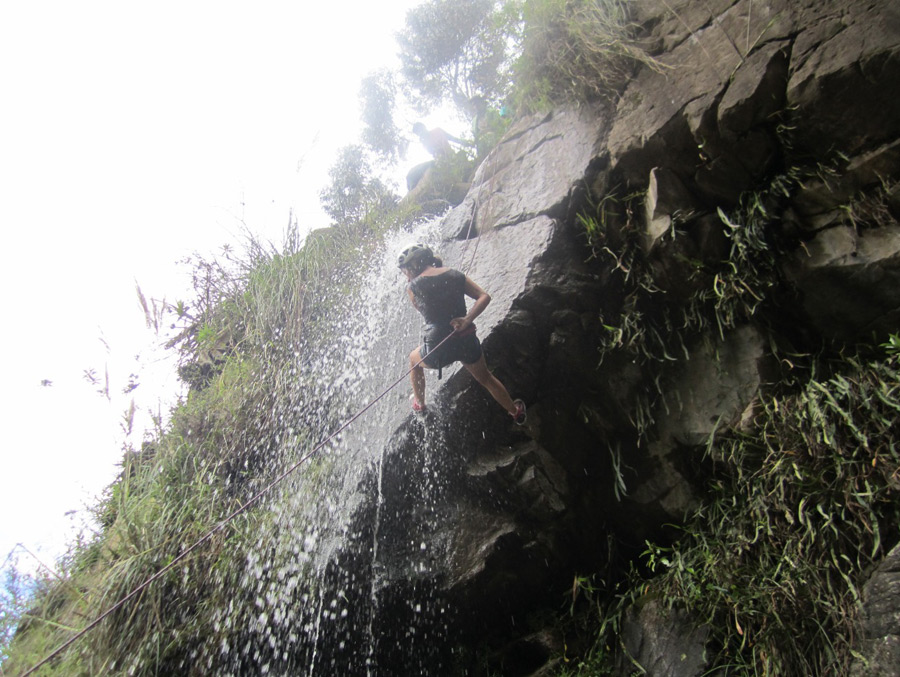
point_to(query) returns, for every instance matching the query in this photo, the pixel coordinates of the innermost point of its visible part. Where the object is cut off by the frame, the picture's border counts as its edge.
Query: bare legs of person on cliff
(481, 373)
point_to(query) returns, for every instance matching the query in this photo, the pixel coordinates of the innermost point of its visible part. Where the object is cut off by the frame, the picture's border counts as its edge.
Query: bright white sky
(131, 135)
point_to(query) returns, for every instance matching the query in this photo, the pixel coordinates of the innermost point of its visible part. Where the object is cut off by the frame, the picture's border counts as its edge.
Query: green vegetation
(800, 500)
(378, 94)
(533, 54)
(355, 195)
(495, 60)
(18, 587)
(798, 506)
(575, 51)
(458, 50)
(238, 340)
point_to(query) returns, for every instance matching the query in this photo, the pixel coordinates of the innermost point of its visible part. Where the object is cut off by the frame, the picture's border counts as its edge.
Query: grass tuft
(576, 51)
(799, 512)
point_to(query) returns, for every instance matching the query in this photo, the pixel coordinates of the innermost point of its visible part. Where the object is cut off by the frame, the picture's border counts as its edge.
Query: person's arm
(445, 137)
(482, 299)
(461, 142)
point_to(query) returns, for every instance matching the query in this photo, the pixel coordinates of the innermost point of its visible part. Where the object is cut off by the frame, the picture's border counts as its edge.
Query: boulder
(661, 642)
(709, 390)
(850, 281)
(879, 647)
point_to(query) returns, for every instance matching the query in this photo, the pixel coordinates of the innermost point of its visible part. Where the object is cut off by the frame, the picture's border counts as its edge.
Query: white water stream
(307, 600)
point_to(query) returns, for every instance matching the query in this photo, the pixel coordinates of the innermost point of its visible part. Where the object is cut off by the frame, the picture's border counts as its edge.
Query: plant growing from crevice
(802, 499)
(802, 505)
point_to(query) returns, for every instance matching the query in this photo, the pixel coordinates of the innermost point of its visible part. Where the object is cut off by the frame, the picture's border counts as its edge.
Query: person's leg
(417, 376)
(497, 390)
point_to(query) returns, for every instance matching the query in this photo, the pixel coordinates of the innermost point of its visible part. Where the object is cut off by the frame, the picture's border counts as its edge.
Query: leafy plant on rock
(801, 508)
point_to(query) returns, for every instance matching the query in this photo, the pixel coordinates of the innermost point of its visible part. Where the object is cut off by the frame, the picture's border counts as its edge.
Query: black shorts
(465, 348)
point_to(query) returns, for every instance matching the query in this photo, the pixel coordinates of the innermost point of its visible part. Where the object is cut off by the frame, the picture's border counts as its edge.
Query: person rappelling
(439, 294)
(436, 141)
(451, 166)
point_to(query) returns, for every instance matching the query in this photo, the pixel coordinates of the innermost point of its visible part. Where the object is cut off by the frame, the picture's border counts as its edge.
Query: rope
(475, 210)
(90, 626)
(9, 555)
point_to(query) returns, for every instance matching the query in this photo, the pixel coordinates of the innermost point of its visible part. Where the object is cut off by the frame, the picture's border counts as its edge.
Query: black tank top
(440, 298)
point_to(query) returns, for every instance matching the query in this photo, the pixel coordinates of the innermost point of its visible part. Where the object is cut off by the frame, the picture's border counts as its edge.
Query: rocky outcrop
(750, 88)
(746, 94)
(880, 644)
(662, 642)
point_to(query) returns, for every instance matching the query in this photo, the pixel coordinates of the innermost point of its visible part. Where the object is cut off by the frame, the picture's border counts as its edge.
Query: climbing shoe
(520, 416)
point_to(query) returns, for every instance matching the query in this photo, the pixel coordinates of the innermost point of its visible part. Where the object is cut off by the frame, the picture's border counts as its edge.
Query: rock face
(880, 645)
(747, 91)
(662, 642)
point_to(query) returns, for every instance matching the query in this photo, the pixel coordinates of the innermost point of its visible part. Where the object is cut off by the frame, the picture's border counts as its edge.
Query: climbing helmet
(413, 254)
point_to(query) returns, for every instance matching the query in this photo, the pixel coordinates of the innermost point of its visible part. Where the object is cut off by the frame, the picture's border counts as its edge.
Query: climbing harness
(455, 335)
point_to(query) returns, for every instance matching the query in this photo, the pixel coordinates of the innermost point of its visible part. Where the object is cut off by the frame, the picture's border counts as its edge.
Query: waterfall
(309, 598)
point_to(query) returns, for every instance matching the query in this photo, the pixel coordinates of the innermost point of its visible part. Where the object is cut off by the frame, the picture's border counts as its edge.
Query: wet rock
(502, 261)
(661, 642)
(661, 110)
(666, 198)
(676, 21)
(756, 93)
(850, 281)
(879, 647)
(893, 202)
(845, 69)
(710, 390)
(820, 201)
(536, 655)
(532, 172)
(681, 263)
(713, 386)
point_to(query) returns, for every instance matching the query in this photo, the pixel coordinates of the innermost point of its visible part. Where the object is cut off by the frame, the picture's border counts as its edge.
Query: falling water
(308, 599)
